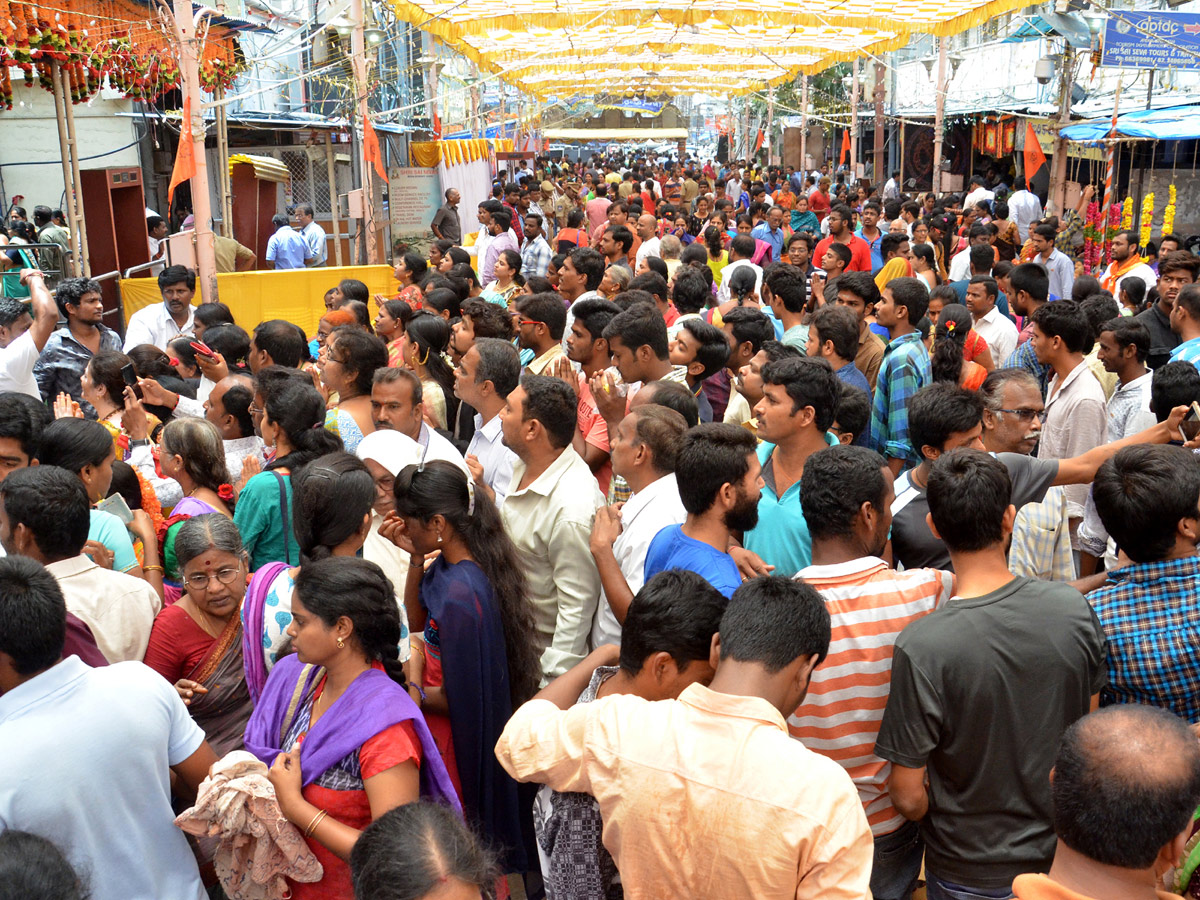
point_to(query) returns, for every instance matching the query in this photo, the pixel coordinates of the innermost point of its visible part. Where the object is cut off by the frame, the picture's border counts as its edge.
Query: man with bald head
(1124, 786)
(228, 408)
(647, 232)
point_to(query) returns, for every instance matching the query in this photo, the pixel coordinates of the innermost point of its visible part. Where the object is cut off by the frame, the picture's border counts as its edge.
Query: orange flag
(1034, 157)
(371, 152)
(845, 148)
(185, 158)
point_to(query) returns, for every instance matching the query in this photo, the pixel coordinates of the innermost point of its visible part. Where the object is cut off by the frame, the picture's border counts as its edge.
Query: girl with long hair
(477, 662)
(948, 361)
(344, 740)
(410, 271)
(925, 265)
(390, 324)
(718, 257)
(427, 338)
(293, 422)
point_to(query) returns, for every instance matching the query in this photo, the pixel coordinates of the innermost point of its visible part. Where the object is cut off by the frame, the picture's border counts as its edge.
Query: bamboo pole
(68, 174)
(224, 189)
(853, 122)
(331, 169)
(940, 116)
(73, 147)
(803, 167)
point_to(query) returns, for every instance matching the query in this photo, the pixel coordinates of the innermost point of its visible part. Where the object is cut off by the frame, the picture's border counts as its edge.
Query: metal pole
(331, 169)
(73, 146)
(1058, 174)
(223, 189)
(853, 122)
(939, 116)
(68, 174)
(879, 160)
(358, 46)
(803, 167)
(189, 67)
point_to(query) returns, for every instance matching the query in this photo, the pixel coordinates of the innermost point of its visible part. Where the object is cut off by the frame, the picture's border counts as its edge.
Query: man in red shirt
(818, 200)
(839, 232)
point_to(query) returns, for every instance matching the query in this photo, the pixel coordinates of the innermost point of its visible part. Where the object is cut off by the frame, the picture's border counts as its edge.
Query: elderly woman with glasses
(196, 644)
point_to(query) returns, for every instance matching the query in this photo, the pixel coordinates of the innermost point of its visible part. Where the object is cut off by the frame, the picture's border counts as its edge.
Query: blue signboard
(1148, 39)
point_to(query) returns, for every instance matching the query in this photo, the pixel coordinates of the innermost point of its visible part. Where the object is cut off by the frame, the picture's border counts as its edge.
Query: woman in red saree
(196, 644)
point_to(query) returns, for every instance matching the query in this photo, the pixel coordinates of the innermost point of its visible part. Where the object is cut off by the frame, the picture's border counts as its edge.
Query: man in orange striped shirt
(848, 495)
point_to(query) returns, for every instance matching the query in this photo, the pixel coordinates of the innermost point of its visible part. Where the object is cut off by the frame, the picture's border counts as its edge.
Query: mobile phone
(117, 506)
(203, 349)
(128, 375)
(1190, 426)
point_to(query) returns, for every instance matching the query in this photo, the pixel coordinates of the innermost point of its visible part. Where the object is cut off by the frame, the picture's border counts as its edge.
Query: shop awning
(1176, 123)
(266, 168)
(669, 47)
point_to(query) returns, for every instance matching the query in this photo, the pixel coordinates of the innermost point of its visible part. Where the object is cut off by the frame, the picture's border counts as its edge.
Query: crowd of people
(680, 531)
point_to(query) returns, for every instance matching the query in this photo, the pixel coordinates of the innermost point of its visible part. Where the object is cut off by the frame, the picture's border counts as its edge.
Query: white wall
(29, 133)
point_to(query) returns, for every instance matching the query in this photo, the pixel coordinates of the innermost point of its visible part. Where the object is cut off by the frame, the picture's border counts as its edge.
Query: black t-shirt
(1162, 338)
(913, 544)
(982, 689)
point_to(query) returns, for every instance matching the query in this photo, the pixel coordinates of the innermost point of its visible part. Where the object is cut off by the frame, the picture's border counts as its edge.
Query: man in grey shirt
(446, 224)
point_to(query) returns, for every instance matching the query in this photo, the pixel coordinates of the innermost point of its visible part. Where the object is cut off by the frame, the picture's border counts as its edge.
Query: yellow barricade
(297, 295)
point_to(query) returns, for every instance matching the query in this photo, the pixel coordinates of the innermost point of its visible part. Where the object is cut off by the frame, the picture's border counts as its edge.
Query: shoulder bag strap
(286, 517)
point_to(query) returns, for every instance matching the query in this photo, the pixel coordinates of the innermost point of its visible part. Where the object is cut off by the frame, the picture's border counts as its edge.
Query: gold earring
(341, 644)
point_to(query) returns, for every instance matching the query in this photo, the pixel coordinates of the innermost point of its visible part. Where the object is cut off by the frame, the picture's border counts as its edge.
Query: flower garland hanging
(1147, 219)
(1168, 224)
(1127, 214)
(1093, 237)
(102, 39)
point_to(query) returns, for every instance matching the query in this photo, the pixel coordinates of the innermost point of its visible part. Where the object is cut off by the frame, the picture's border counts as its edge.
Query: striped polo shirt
(869, 605)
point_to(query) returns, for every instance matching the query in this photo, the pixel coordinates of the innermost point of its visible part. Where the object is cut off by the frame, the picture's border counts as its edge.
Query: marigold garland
(1168, 224)
(1147, 219)
(113, 39)
(1127, 214)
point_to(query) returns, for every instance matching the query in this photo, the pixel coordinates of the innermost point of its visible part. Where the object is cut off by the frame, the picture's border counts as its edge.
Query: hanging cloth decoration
(1034, 157)
(371, 152)
(185, 156)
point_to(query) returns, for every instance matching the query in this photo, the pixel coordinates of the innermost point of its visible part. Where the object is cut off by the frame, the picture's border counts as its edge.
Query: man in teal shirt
(800, 397)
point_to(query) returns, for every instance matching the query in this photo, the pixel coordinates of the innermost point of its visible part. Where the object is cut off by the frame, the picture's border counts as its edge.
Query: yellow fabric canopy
(455, 153)
(548, 49)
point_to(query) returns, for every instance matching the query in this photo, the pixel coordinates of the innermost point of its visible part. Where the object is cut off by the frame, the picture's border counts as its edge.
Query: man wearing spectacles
(1005, 418)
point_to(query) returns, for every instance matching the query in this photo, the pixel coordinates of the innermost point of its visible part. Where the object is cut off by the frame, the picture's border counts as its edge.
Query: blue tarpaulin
(1176, 123)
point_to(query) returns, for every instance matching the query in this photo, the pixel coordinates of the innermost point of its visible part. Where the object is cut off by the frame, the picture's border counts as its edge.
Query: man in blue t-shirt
(719, 479)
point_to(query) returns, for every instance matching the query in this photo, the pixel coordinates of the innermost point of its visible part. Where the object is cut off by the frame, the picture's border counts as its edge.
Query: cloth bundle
(258, 848)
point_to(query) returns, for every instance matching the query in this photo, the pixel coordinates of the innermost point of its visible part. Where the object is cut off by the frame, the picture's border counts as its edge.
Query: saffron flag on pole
(185, 156)
(845, 148)
(371, 152)
(1034, 157)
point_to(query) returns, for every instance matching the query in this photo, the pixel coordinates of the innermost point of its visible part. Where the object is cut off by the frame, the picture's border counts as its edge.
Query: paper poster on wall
(413, 197)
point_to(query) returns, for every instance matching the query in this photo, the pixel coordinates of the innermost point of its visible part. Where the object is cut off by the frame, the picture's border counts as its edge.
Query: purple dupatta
(371, 704)
(252, 627)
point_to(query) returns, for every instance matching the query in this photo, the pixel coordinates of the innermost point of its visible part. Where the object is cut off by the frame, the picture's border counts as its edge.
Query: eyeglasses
(227, 576)
(254, 410)
(1025, 414)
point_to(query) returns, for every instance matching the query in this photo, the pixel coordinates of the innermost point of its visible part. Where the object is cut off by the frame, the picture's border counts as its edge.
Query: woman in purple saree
(344, 740)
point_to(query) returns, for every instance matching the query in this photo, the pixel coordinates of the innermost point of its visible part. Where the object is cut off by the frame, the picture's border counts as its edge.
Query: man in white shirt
(891, 190)
(44, 516)
(990, 324)
(313, 234)
(643, 453)
(89, 753)
(1024, 209)
(397, 404)
(548, 512)
(960, 263)
(647, 230)
(22, 337)
(161, 323)
(228, 408)
(1057, 264)
(483, 379)
(979, 193)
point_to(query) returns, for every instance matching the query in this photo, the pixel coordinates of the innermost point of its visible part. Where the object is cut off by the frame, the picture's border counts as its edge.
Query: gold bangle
(152, 568)
(312, 826)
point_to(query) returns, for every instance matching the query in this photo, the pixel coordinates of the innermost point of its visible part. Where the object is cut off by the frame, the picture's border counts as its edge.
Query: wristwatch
(139, 442)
